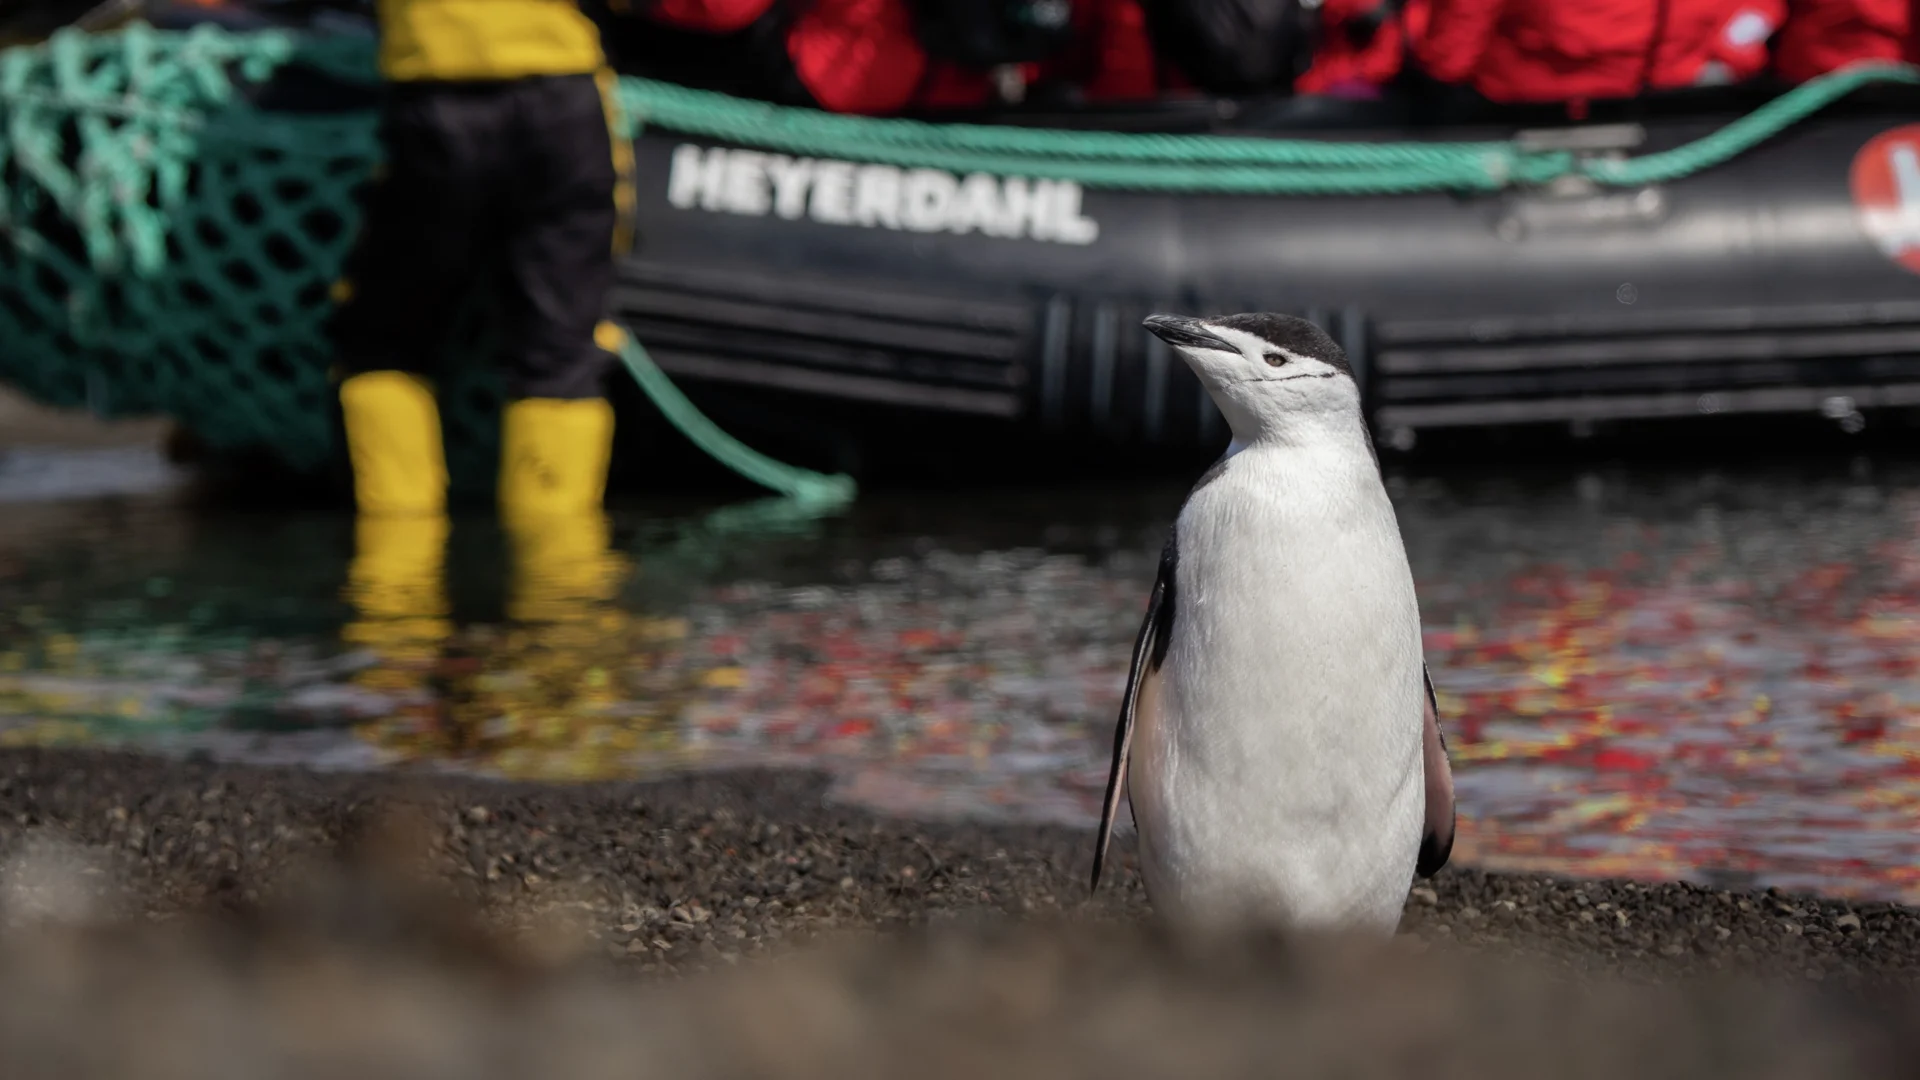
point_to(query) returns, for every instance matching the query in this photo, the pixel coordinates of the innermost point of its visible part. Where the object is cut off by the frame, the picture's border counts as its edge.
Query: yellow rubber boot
(553, 456)
(569, 641)
(553, 478)
(397, 581)
(393, 439)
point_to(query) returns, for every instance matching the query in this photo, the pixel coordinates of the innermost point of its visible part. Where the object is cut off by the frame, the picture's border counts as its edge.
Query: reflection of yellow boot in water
(397, 586)
(553, 470)
(396, 583)
(563, 570)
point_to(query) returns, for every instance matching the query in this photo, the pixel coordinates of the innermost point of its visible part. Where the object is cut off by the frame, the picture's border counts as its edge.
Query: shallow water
(1649, 673)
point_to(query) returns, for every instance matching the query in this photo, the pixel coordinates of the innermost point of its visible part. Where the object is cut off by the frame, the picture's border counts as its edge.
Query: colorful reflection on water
(1719, 685)
(1656, 675)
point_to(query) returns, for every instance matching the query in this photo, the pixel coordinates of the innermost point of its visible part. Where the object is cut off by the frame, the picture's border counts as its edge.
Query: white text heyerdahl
(845, 193)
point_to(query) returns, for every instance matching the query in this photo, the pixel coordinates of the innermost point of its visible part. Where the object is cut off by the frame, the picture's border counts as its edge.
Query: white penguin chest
(1300, 620)
(1282, 755)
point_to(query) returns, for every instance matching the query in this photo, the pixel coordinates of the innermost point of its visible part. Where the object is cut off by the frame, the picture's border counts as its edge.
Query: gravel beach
(150, 902)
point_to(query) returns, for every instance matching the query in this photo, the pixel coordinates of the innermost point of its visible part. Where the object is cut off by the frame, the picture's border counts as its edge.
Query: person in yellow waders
(502, 170)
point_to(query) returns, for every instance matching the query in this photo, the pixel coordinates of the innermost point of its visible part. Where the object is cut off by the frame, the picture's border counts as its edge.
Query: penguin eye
(1275, 359)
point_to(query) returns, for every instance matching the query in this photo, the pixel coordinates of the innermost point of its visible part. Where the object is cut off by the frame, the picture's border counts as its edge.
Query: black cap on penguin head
(1291, 333)
(1287, 335)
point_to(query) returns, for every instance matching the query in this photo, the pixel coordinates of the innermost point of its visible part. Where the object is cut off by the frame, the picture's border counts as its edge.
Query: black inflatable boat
(1781, 281)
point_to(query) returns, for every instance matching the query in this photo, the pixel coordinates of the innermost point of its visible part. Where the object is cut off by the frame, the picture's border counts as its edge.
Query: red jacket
(1338, 63)
(1575, 50)
(861, 56)
(707, 16)
(1824, 35)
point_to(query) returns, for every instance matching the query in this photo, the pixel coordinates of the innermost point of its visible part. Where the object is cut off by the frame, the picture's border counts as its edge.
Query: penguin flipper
(1149, 649)
(1436, 844)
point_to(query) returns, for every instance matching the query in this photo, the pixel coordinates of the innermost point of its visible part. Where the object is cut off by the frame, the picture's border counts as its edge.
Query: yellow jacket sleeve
(473, 40)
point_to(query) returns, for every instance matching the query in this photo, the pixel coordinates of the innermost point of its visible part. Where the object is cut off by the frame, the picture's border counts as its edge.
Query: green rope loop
(810, 488)
(762, 124)
(1213, 163)
(1181, 163)
(1750, 130)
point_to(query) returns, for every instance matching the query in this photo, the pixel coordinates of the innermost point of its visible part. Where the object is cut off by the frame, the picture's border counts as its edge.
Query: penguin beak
(1182, 332)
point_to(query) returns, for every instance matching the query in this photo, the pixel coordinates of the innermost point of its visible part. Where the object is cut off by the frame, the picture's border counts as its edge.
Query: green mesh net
(172, 245)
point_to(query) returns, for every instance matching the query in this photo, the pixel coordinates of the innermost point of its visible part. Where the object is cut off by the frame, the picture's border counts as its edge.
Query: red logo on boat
(1886, 189)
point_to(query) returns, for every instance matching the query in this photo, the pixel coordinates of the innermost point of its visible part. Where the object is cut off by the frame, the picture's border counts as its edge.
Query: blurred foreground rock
(356, 982)
(166, 921)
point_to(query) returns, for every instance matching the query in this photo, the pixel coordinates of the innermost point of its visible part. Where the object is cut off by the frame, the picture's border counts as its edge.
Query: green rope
(1102, 159)
(811, 491)
(1213, 163)
(809, 488)
(1749, 131)
(1180, 163)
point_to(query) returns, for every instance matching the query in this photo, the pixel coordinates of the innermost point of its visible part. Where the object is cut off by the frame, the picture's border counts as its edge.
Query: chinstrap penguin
(1278, 736)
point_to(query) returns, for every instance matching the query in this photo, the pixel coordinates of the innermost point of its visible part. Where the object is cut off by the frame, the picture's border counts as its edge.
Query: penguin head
(1262, 369)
